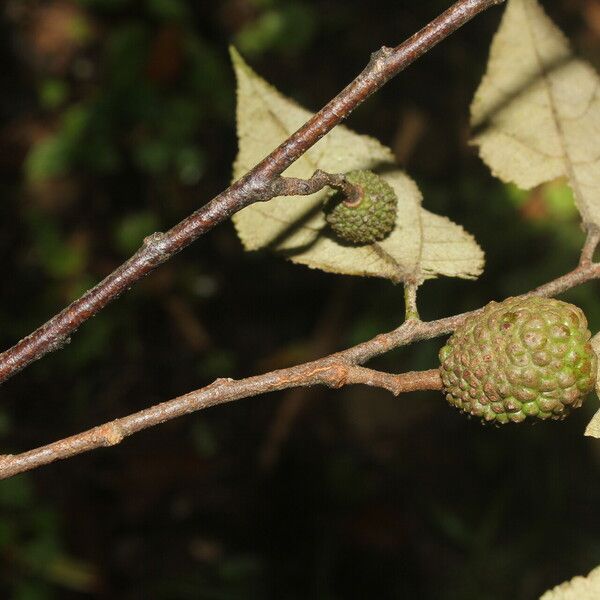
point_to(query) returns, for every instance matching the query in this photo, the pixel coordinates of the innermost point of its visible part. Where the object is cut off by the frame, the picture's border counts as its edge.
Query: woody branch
(335, 371)
(262, 183)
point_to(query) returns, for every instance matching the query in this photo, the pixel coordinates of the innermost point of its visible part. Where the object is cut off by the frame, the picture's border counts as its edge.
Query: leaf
(537, 110)
(422, 246)
(593, 427)
(578, 588)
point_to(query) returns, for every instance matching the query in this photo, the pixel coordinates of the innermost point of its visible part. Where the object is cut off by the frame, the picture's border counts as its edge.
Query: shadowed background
(117, 120)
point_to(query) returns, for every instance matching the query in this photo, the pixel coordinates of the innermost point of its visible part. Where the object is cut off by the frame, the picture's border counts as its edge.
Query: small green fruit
(371, 218)
(518, 359)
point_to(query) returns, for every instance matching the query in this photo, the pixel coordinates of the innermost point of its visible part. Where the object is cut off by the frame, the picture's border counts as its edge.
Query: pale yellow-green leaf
(422, 246)
(578, 588)
(595, 342)
(593, 427)
(537, 110)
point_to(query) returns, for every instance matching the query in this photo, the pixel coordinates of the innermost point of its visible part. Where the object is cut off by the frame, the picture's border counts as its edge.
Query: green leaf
(537, 110)
(422, 246)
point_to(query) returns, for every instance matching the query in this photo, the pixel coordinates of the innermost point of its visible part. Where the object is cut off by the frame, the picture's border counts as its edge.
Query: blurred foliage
(286, 27)
(117, 121)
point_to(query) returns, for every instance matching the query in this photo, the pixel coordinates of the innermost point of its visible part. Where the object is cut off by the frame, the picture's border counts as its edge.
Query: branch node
(379, 57)
(111, 433)
(260, 188)
(154, 249)
(153, 239)
(220, 381)
(337, 376)
(397, 389)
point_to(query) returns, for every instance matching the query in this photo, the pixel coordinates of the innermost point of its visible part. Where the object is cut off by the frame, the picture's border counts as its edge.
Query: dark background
(117, 120)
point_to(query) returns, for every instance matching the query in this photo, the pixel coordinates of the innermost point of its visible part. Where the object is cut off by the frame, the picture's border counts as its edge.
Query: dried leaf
(579, 588)
(537, 110)
(422, 246)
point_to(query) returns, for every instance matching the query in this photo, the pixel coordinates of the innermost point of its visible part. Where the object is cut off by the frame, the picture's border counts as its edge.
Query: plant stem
(257, 185)
(335, 371)
(332, 374)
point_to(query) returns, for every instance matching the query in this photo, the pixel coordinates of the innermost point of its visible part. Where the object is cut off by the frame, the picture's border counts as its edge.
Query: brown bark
(260, 184)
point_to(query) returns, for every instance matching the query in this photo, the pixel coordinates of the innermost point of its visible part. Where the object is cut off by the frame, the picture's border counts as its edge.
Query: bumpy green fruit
(371, 218)
(524, 357)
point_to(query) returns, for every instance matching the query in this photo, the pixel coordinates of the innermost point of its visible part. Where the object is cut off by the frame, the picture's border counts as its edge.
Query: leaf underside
(593, 427)
(578, 588)
(423, 245)
(537, 111)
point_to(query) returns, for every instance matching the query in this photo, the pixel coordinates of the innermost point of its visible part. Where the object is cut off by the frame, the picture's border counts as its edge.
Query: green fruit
(524, 357)
(371, 218)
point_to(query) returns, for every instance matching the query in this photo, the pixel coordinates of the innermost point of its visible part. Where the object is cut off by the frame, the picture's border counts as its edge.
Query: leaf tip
(237, 59)
(593, 427)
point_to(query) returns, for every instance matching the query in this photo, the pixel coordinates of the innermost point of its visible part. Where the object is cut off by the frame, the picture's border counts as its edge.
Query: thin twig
(255, 186)
(412, 381)
(591, 243)
(292, 186)
(334, 371)
(410, 300)
(325, 372)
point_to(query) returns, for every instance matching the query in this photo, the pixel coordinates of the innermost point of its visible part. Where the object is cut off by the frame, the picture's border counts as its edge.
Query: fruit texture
(369, 219)
(524, 357)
